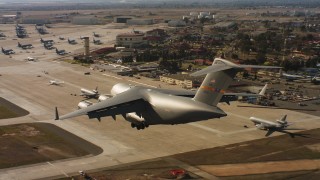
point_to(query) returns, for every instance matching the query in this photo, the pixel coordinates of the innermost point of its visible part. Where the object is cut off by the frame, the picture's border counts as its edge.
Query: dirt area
(154, 169)
(298, 175)
(25, 144)
(285, 157)
(260, 167)
(280, 148)
(10, 110)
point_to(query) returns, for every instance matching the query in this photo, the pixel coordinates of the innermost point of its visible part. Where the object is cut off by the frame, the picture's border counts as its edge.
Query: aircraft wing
(259, 67)
(184, 93)
(126, 102)
(191, 94)
(270, 131)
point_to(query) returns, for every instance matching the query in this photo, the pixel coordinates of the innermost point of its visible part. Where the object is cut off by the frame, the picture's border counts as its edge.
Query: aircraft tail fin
(283, 121)
(218, 78)
(263, 90)
(96, 90)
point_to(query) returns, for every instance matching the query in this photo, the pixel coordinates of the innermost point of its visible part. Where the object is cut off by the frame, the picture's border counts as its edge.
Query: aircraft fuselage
(168, 109)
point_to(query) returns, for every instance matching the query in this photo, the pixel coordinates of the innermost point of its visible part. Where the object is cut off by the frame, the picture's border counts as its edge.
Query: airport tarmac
(25, 84)
(121, 144)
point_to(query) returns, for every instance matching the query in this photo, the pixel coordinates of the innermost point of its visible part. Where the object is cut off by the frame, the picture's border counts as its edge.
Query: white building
(131, 40)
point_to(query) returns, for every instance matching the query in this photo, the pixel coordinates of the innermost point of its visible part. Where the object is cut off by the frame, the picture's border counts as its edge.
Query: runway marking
(142, 83)
(239, 116)
(111, 76)
(206, 128)
(240, 131)
(65, 82)
(58, 169)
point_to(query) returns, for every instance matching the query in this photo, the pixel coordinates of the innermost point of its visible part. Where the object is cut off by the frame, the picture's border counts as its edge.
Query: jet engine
(119, 88)
(136, 121)
(84, 104)
(104, 97)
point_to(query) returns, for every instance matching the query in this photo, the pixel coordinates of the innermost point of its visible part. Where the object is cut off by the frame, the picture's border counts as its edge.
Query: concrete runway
(21, 85)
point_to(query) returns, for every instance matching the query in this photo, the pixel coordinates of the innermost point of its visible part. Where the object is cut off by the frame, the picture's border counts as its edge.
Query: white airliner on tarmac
(55, 82)
(280, 125)
(89, 93)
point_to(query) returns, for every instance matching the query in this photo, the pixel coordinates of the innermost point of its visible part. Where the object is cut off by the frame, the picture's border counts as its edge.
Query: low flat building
(140, 21)
(183, 80)
(131, 40)
(122, 19)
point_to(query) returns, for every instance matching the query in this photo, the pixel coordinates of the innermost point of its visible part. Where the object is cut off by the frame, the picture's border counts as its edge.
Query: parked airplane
(315, 80)
(61, 52)
(55, 82)
(280, 126)
(89, 93)
(143, 106)
(72, 41)
(25, 46)
(48, 46)
(291, 77)
(97, 41)
(96, 34)
(2, 35)
(30, 59)
(46, 41)
(7, 51)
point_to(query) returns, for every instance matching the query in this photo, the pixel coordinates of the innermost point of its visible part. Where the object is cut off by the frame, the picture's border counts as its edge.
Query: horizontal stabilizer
(259, 67)
(211, 69)
(222, 64)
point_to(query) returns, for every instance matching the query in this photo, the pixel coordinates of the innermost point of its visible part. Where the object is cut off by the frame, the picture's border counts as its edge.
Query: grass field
(24, 144)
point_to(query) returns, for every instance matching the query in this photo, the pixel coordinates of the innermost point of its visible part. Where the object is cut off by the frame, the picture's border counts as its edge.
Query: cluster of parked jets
(143, 106)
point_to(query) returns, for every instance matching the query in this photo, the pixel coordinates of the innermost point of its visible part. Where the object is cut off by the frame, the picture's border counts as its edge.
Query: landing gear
(142, 125)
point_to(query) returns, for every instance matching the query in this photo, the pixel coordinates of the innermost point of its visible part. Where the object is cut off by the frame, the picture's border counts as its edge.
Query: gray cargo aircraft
(143, 106)
(280, 126)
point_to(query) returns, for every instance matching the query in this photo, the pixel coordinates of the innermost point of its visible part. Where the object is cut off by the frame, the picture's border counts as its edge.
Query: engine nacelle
(119, 88)
(104, 97)
(84, 104)
(134, 118)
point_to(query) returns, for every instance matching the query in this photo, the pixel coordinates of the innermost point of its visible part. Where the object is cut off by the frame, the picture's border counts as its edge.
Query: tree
(261, 58)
